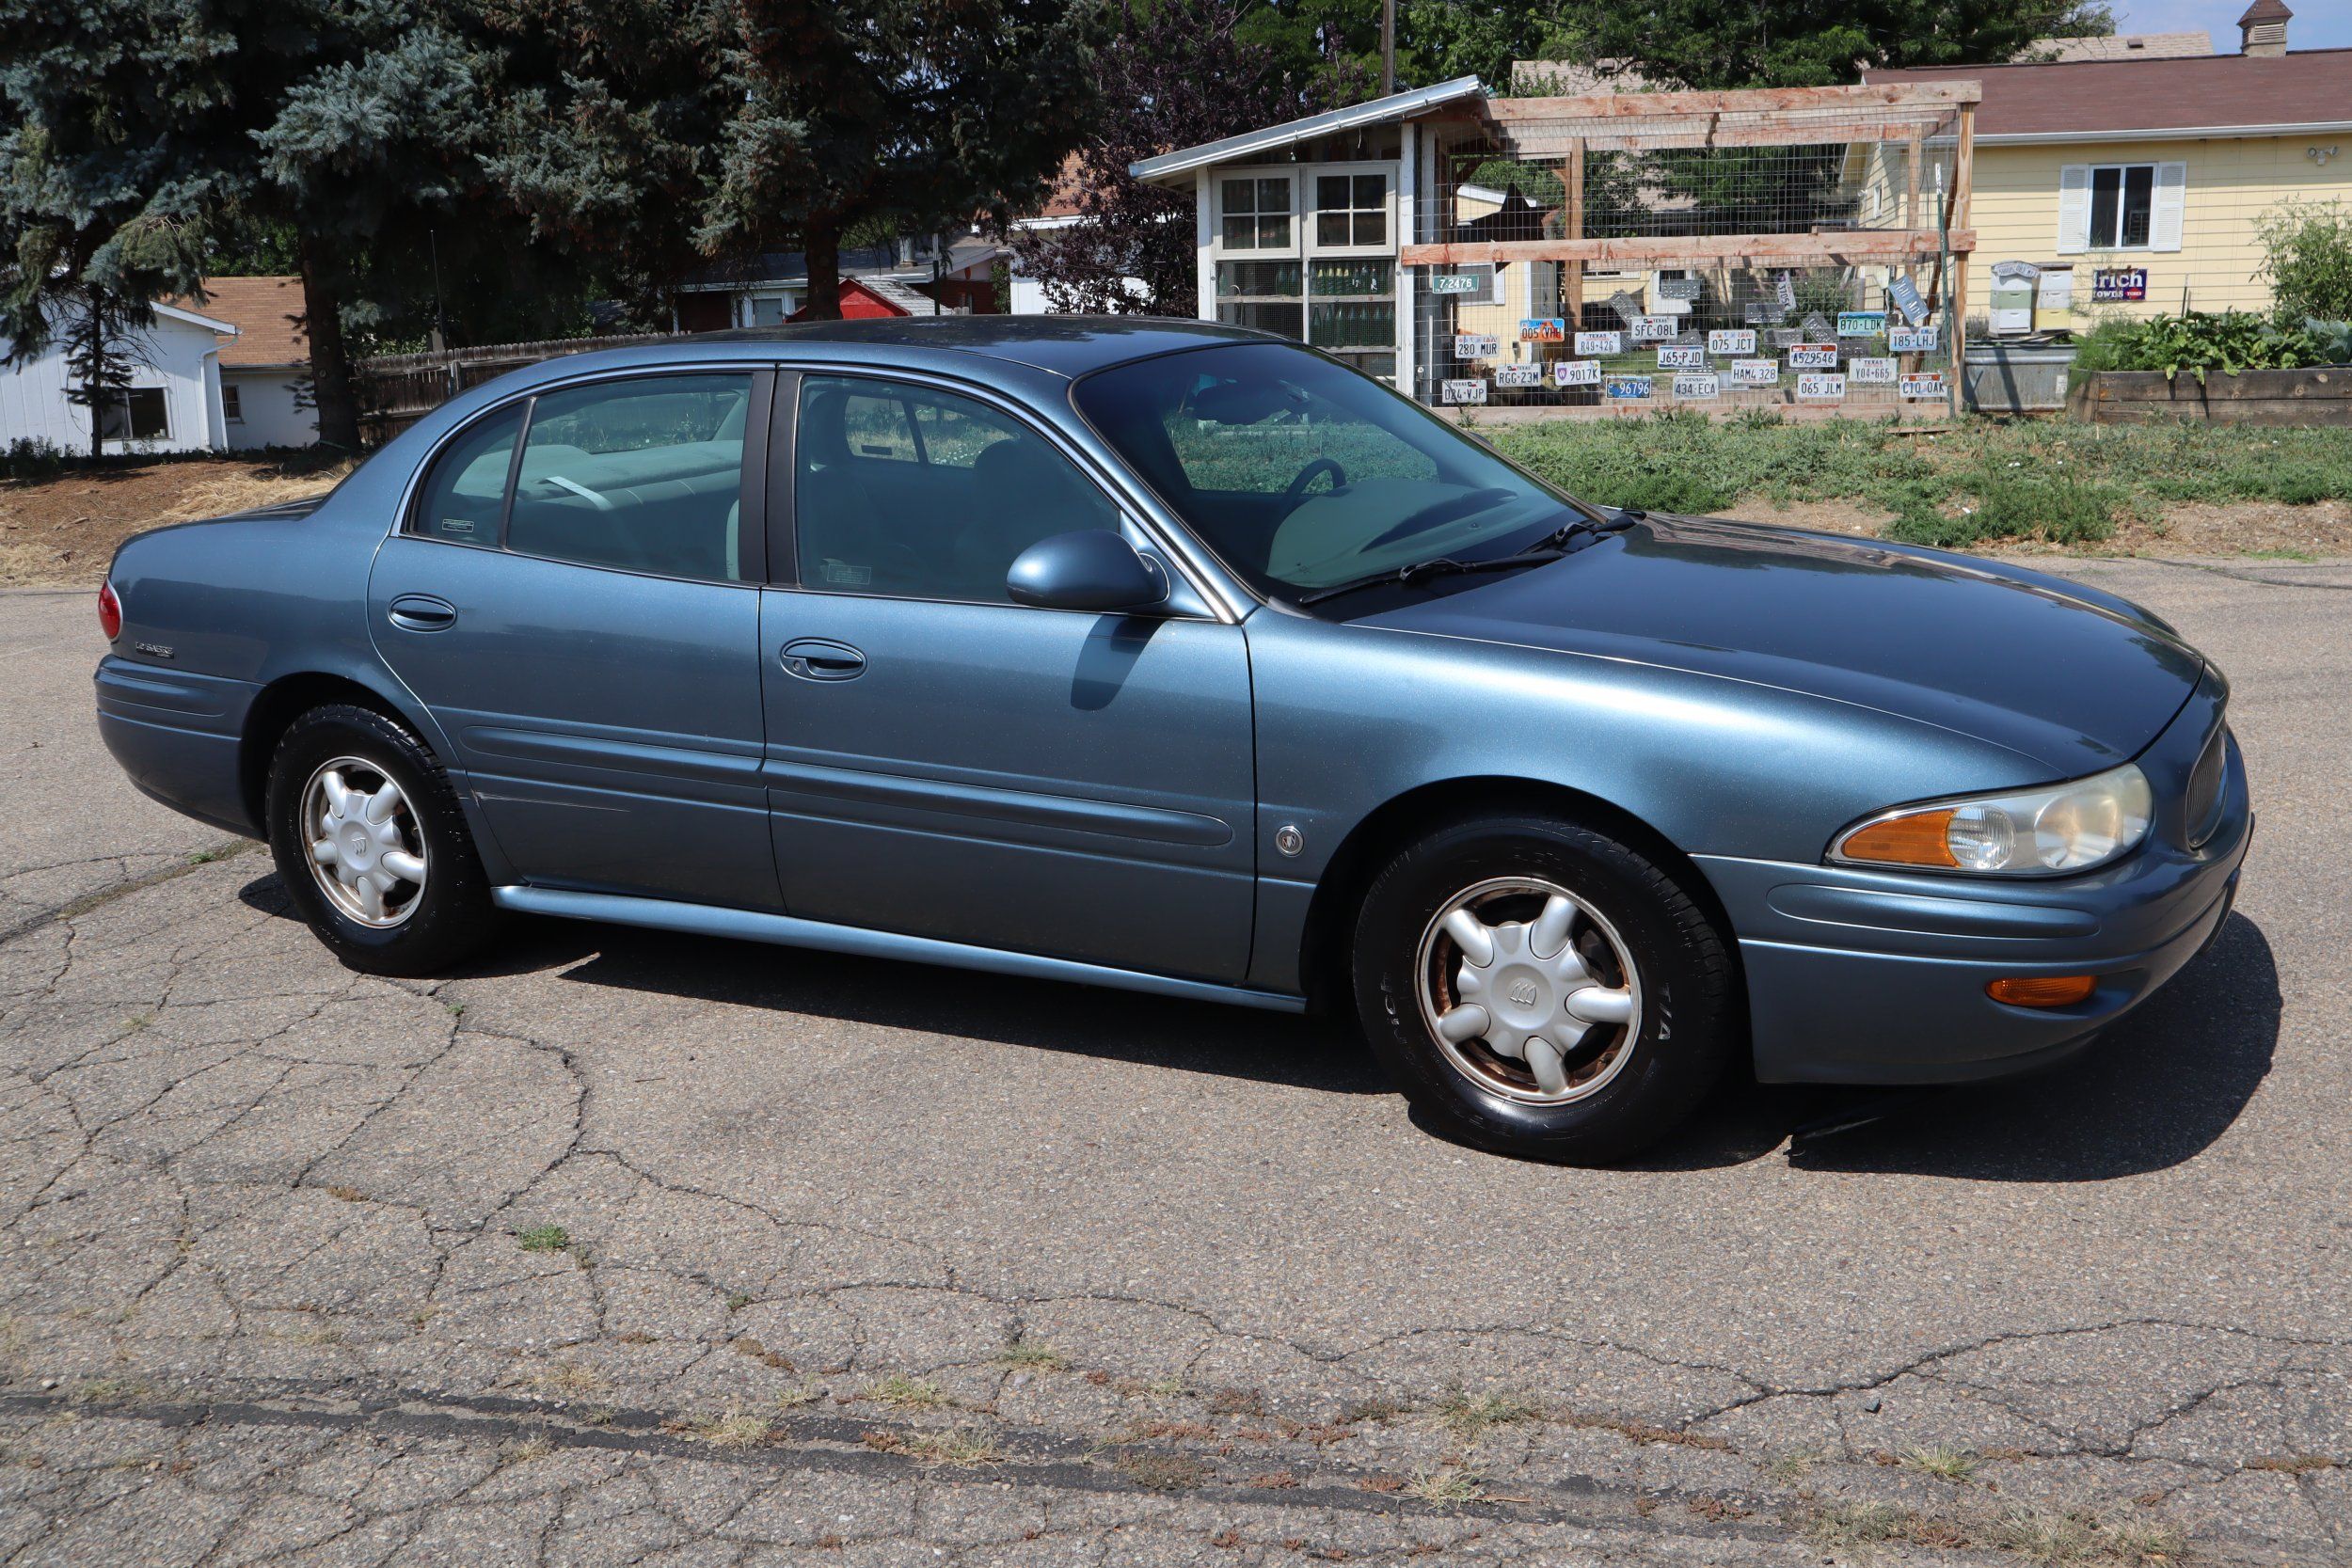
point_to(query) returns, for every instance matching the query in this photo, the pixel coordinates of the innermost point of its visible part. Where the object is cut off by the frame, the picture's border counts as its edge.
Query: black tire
(1689, 1015)
(452, 917)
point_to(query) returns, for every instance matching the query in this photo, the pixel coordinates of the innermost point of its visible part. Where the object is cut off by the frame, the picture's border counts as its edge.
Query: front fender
(1350, 717)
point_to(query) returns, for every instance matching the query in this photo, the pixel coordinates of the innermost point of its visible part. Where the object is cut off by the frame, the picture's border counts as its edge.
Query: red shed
(861, 301)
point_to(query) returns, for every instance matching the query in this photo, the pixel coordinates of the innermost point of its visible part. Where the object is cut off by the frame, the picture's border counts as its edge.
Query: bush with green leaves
(2307, 258)
(2199, 343)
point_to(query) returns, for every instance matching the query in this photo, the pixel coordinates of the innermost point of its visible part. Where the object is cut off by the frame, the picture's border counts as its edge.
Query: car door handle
(421, 612)
(817, 658)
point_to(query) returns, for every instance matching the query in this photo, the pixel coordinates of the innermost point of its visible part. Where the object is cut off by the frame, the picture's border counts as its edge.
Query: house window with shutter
(2121, 207)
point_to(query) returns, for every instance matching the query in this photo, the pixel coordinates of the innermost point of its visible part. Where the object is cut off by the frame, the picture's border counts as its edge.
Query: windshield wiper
(1550, 547)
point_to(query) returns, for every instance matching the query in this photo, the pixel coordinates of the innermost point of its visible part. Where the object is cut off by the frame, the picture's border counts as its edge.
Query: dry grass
(901, 1392)
(1953, 1464)
(244, 489)
(1470, 1417)
(1161, 1472)
(964, 1446)
(1033, 1355)
(62, 529)
(567, 1380)
(2078, 1538)
(1448, 1486)
(734, 1429)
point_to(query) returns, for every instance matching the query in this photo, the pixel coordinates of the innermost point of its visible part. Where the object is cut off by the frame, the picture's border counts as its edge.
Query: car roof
(1062, 345)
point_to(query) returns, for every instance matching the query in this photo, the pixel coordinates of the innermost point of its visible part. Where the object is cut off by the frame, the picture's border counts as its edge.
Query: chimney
(2263, 30)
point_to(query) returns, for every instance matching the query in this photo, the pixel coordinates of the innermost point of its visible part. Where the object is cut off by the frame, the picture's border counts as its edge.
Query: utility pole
(1387, 47)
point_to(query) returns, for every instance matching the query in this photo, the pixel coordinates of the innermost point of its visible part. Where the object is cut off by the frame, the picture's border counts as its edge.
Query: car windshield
(1302, 474)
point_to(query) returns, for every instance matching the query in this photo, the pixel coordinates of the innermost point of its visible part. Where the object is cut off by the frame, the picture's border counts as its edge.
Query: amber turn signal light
(2043, 990)
(1921, 838)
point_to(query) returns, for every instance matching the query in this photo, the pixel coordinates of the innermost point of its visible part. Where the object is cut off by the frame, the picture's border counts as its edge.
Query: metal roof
(1249, 144)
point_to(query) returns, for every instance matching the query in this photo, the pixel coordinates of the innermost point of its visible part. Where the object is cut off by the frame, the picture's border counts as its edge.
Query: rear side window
(644, 474)
(466, 489)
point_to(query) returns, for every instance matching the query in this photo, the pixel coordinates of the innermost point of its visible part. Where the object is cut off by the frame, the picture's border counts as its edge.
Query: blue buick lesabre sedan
(1184, 659)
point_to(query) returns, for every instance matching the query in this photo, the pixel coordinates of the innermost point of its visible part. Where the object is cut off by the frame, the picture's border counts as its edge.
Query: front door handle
(421, 612)
(818, 659)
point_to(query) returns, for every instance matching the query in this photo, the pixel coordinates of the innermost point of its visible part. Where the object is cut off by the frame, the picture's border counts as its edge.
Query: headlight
(2030, 832)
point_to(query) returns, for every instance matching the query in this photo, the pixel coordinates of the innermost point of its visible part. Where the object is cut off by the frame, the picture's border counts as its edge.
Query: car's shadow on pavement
(2167, 1084)
(2161, 1087)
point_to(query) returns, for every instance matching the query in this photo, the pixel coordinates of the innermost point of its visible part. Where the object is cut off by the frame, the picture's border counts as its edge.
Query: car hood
(2072, 678)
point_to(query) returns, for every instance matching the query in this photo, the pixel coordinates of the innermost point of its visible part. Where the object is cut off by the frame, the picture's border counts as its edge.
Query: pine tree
(136, 124)
(919, 116)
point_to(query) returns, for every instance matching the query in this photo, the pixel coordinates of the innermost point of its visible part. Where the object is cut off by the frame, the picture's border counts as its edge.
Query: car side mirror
(1094, 569)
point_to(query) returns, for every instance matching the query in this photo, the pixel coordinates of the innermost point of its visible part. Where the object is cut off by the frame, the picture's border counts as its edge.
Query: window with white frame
(141, 414)
(2121, 206)
(1254, 211)
(231, 404)
(1351, 211)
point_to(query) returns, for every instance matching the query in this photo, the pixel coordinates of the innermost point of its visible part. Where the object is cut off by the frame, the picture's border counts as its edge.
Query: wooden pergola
(1907, 120)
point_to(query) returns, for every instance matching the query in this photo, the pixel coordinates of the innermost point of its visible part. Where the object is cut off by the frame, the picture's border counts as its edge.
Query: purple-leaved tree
(1173, 75)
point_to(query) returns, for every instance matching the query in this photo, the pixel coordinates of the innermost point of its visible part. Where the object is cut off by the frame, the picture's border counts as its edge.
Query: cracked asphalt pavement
(632, 1249)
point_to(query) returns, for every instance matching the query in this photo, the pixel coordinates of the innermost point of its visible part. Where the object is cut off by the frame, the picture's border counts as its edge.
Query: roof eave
(2162, 133)
(1167, 167)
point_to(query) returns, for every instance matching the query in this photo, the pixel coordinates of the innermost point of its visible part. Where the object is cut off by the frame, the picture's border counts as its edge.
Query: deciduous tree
(1175, 73)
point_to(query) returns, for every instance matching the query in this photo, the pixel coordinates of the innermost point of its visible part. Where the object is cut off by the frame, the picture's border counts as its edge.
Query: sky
(2317, 24)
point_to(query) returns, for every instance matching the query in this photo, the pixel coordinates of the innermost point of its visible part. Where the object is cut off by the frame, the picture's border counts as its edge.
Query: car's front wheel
(1541, 989)
(371, 844)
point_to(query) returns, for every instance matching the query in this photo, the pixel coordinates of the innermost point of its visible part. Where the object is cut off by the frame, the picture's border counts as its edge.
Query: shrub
(2059, 508)
(2307, 251)
(31, 457)
(2199, 342)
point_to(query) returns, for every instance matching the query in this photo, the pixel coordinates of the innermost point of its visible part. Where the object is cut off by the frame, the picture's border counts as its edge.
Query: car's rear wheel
(371, 846)
(1541, 989)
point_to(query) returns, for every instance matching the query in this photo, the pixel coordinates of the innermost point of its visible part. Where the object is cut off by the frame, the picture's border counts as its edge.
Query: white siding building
(173, 402)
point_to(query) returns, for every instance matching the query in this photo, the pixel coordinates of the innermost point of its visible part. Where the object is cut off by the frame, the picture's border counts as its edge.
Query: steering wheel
(1307, 476)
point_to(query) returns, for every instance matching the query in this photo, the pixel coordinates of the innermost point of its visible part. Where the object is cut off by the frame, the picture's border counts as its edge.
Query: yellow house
(2139, 184)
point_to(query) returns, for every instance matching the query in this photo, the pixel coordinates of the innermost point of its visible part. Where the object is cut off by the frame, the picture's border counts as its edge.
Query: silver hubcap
(367, 848)
(1529, 990)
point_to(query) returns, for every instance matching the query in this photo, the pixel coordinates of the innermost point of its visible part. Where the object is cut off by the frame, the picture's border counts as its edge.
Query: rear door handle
(818, 659)
(421, 612)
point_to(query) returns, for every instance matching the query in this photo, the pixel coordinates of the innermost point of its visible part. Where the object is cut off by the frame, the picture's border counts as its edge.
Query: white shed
(172, 404)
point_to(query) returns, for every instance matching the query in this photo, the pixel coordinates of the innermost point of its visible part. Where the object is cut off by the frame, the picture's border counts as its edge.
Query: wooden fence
(398, 390)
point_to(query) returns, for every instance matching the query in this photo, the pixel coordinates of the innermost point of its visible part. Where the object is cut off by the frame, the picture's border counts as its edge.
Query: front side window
(2122, 206)
(1255, 212)
(1301, 474)
(905, 491)
(644, 474)
(233, 404)
(1351, 209)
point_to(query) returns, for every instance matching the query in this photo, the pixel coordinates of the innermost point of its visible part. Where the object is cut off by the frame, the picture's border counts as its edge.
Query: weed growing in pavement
(1956, 1464)
(1161, 1472)
(1030, 1353)
(1447, 1486)
(545, 1238)
(907, 1393)
(734, 1429)
(1469, 1416)
(964, 1446)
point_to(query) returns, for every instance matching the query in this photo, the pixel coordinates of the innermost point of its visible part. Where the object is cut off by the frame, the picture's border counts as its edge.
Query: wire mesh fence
(1719, 251)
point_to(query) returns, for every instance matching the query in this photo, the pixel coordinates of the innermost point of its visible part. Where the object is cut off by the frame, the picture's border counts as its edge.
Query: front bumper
(1860, 977)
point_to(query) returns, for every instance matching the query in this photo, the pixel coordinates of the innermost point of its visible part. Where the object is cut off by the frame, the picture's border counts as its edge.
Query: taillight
(109, 611)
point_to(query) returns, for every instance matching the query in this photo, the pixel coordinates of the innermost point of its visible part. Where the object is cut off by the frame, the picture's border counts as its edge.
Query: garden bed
(2321, 395)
